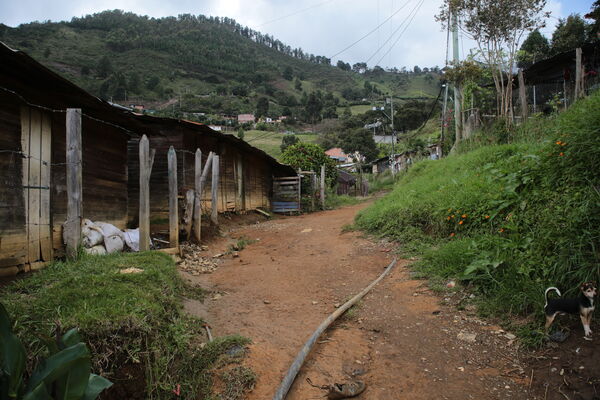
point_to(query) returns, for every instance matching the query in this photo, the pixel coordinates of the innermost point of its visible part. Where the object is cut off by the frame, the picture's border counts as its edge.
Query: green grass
(270, 142)
(126, 319)
(507, 219)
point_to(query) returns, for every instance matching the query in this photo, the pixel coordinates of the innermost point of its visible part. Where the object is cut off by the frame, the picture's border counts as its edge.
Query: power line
(371, 31)
(391, 36)
(401, 33)
(295, 13)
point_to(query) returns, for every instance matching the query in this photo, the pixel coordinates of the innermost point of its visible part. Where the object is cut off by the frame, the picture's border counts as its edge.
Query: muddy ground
(403, 341)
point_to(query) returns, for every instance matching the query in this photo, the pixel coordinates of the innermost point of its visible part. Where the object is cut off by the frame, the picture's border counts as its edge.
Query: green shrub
(509, 219)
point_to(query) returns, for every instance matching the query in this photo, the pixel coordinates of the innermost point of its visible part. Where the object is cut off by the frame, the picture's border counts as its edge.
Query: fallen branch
(285, 385)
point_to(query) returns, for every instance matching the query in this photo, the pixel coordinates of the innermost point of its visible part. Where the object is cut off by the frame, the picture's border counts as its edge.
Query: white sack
(96, 250)
(132, 239)
(113, 244)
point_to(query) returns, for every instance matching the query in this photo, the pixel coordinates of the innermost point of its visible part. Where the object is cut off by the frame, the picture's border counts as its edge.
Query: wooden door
(36, 141)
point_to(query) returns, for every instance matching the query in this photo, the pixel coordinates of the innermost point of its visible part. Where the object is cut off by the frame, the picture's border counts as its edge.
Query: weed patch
(508, 219)
(132, 322)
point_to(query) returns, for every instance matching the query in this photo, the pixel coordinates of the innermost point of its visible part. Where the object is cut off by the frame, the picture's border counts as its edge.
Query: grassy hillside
(206, 64)
(510, 219)
(270, 142)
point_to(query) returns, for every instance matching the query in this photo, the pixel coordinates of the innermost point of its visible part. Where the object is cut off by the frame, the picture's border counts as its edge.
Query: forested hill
(208, 64)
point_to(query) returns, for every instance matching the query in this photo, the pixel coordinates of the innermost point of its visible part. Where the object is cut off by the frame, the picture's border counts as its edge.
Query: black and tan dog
(582, 305)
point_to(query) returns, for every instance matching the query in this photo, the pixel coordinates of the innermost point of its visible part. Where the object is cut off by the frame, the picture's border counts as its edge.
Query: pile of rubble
(196, 261)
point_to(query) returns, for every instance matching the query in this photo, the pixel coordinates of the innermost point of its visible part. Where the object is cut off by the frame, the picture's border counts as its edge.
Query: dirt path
(401, 340)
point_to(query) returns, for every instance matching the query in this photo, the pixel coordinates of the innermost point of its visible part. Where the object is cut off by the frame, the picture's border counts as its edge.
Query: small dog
(583, 304)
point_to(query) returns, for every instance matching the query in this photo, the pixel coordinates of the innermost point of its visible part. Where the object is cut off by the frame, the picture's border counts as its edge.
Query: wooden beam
(214, 190)
(198, 196)
(72, 227)
(523, 97)
(188, 216)
(240, 196)
(173, 209)
(146, 161)
(323, 186)
(578, 74)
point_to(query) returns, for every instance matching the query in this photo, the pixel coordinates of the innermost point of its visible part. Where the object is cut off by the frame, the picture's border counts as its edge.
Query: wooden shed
(246, 173)
(33, 201)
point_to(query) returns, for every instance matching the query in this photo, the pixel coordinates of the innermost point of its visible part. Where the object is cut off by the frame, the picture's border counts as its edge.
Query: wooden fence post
(72, 226)
(522, 97)
(146, 162)
(214, 190)
(578, 74)
(313, 190)
(240, 196)
(198, 196)
(173, 208)
(323, 186)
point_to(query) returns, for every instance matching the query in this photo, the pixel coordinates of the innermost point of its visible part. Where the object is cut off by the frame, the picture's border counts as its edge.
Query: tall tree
(287, 141)
(497, 27)
(569, 34)
(262, 107)
(360, 140)
(104, 67)
(594, 15)
(533, 49)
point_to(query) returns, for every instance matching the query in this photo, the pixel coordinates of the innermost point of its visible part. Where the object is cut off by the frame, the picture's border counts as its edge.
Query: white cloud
(324, 29)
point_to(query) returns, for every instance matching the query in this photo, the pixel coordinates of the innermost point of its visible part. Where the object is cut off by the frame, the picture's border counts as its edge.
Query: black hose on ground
(285, 385)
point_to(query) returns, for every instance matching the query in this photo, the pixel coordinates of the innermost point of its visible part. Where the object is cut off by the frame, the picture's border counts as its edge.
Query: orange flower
(452, 234)
(448, 218)
(558, 143)
(461, 222)
(501, 230)
(487, 217)
(561, 154)
(464, 216)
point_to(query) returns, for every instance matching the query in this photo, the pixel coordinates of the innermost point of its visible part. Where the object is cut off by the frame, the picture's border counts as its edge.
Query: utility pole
(393, 137)
(457, 96)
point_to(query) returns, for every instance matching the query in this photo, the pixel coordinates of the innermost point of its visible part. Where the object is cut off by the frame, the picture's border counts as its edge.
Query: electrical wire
(401, 33)
(371, 31)
(390, 37)
(295, 13)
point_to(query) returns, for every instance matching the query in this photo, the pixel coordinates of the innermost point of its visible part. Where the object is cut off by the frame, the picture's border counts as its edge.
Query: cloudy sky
(408, 34)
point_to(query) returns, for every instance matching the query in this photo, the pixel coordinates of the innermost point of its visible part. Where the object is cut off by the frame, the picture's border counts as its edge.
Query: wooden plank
(207, 168)
(146, 161)
(239, 172)
(72, 226)
(323, 187)
(35, 164)
(522, 97)
(198, 196)
(25, 128)
(188, 216)
(578, 74)
(214, 190)
(173, 211)
(45, 228)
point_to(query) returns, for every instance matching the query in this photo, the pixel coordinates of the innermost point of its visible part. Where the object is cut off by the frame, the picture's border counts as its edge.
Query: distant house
(244, 118)
(137, 107)
(337, 154)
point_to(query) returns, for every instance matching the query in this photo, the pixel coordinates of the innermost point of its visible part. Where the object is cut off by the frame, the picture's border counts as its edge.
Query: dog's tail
(546, 294)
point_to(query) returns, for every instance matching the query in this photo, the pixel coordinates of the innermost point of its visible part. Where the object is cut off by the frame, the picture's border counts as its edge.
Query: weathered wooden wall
(104, 181)
(13, 236)
(256, 169)
(104, 175)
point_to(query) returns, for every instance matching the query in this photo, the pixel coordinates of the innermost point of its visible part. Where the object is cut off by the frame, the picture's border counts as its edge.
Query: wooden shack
(33, 201)
(246, 173)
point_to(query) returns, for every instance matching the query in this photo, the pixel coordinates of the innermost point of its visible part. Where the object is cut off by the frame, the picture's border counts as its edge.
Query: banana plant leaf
(13, 357)
(59, 364)
(39, 393)
(96, 385)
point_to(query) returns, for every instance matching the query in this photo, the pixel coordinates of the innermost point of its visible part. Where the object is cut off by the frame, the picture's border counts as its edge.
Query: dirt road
(401, 340)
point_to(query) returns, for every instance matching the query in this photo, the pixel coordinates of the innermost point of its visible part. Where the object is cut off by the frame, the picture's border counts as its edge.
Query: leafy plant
(65, 374)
